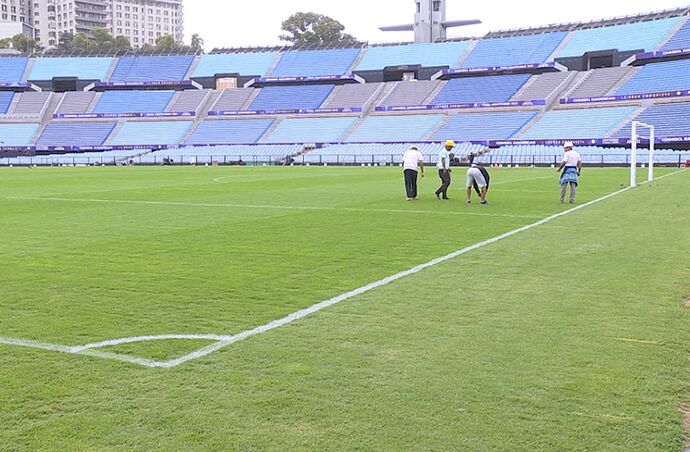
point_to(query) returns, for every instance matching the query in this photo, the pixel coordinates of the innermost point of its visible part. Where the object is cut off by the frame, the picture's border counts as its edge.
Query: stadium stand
(82, 158)
(233, 131)
(644, 36)
(17, 134)
(600, 82)
(669, 119)
(378, 153)
(540, 87)
(297, 97)
(92, 68)
(75, 134)
(187, 101)
(426, 55)
(12, 69)
(233, 99)
(225, 154)
(401, 128)
(411, 93)
(311, 63)
(153, 133)
(151, 68)
(6, 98)
(473, 126)
(494, 88)
(75, 102)
(352, 96)
(680, 40)
(591, 155)
(310, 130)
(30, 104)
(257, 63)
(133, 101)
(667, 76)
(578, 123)
(536, 48)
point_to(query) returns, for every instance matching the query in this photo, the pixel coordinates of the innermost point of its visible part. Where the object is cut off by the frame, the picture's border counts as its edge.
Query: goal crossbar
(633, 155)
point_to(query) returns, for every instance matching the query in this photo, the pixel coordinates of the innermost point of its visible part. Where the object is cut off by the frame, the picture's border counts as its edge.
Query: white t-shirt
(571, 158)
(443, 155)
(412, 159)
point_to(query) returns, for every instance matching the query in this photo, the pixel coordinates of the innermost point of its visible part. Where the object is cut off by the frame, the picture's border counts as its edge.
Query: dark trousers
(445, 183)
(411, 183)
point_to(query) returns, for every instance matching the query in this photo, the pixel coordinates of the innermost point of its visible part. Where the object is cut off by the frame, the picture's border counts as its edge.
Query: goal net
(637, 128)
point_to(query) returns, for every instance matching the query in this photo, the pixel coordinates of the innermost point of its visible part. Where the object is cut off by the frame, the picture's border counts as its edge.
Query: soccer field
(562, 329)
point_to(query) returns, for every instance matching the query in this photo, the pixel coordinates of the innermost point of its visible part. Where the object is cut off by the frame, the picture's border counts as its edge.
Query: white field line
(224, 341)
(267, 207)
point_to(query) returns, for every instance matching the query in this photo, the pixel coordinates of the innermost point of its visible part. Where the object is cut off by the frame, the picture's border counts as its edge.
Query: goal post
(633, 155)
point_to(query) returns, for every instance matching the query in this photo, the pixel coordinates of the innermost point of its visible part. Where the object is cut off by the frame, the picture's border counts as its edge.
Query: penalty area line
(269, 207)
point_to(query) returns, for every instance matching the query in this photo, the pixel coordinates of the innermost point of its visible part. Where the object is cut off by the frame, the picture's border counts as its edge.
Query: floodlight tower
(430, 24)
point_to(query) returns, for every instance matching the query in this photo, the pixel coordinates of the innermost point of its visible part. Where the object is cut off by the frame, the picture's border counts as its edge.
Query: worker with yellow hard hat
(443, 166)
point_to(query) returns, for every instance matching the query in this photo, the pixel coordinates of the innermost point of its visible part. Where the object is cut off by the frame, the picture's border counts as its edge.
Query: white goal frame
(633, 154)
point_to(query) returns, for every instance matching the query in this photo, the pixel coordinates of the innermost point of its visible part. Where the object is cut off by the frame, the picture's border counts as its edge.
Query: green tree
(122, 43)
(5, 43)
(166, 42)
(24, 43)
(102, 39)
(66, 40)
(197, 44)
(315, 29)
(81, 41)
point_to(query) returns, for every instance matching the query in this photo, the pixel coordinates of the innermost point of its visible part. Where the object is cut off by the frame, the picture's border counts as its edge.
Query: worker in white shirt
(571, 164)
(412, 160)
(443, 166)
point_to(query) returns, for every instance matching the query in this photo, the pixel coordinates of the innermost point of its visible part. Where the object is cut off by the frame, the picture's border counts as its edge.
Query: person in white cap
(412, 159)
(571, 164)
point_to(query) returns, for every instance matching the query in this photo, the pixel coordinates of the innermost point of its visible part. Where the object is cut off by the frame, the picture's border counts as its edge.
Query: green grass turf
(572, 335)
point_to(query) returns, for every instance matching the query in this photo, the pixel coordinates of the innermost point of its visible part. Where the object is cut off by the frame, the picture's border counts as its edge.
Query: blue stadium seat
(229, 153)
(236, 131)
(295, 97)
(669, 119)
(152, 68)
(635, 36)
(309, 130)
(235, 63)
(514, 50)
(395, 128)
(5, 101)
(75, 134)
(152, 133)
(680, 40)
(17, 134)
(12, 69)
(311, 63)
(83, 68)
(493, 88)
(656, 77)
(134, 101)
(484, 126)
(578, 123)
(428, 55)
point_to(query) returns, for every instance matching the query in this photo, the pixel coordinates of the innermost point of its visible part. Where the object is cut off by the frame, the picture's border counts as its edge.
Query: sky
(238, 23)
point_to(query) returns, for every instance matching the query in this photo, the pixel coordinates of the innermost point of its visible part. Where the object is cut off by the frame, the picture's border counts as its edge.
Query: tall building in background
(15, 18)
(142, 21)
(430, 24)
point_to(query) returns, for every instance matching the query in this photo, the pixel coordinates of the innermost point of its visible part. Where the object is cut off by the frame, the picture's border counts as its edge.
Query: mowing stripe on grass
(225, 341)
(267, 207)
